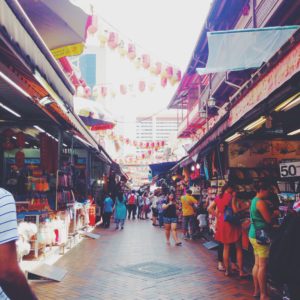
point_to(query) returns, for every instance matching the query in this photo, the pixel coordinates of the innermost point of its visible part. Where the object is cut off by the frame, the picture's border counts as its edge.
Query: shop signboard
(282, 72)
(290, 169)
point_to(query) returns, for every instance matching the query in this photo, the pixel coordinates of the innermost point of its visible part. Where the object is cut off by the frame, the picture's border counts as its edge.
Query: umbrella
(61, 24)
(93, 114)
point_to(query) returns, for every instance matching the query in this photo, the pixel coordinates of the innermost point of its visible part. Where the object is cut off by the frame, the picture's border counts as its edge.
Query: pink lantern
(93, 28)
(158, 68)
(149, 152)
(113, 40)
(178, 75)
(142, 86)
(164, 81)
(131, 51)
(162, 143)
(141, 144)
(103, 91)
(152, 145)
(137, 62)
(88, 92)
(169, 71)
(146, 61)
(123, 89)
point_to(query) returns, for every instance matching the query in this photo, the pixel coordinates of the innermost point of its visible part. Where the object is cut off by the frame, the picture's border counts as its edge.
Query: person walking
(120, 210)
(227, 233)
(160, 202)
(260, 219)
(188, 213)
(140, 203)
(107, 210)
(131, 205)
(146, 208)
(13, 284)
(170, 219)
(154, 208)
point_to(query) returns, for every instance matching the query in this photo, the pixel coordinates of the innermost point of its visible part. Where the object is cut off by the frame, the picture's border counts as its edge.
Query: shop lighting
(193, 168)
(10, 110)
(45, 101)
(294, 132)
(39, 128)
(256, 124)
(289, 103)
(65, 145)
(13, 84)
(35, 147)
(14, 137)
(233, 137)
(198, 166)
(26, 143)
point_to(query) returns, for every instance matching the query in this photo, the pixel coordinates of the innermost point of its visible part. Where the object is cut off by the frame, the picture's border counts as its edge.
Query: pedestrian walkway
(136, 263)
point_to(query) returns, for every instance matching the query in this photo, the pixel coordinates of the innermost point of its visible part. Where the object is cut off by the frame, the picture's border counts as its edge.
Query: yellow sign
(71, 50)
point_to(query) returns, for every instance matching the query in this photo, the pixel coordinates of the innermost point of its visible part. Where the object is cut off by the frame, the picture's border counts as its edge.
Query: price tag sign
(290, 169)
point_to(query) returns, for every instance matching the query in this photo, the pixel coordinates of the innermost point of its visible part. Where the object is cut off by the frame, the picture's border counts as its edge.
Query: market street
(103, 269)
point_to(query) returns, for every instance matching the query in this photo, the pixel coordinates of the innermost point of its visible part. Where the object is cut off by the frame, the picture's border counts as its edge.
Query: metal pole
(59, 148)
(254, 19)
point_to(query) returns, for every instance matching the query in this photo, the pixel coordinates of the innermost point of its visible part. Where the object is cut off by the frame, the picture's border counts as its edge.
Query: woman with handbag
(226, 232)
(260, 219)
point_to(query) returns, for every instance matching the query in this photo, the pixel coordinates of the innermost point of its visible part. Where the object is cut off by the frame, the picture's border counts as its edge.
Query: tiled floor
(136, 263)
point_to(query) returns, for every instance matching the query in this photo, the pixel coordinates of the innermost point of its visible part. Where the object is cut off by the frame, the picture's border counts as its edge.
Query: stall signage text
(290, 169)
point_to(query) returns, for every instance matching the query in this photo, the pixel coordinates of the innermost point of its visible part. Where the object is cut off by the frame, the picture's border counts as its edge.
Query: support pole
(254, 19)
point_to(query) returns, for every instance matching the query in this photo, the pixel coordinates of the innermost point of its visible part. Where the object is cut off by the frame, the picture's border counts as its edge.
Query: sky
(166, 29)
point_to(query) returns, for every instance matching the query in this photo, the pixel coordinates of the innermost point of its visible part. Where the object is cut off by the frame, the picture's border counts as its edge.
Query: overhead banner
(234, 50)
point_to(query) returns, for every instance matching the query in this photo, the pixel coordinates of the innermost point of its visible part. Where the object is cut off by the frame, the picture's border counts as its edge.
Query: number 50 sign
(290, 169)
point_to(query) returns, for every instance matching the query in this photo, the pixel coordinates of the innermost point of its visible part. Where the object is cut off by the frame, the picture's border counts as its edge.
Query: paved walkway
(137, 264)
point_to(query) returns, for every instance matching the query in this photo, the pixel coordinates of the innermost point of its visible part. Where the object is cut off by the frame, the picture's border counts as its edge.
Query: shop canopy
(235, 50)
(61, 24)
(158, 169)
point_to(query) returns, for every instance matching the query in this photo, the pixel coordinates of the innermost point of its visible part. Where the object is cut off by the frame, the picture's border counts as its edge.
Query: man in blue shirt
(107, 210)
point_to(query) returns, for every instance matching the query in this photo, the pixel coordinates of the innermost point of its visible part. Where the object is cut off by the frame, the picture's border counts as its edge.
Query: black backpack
(284, 260)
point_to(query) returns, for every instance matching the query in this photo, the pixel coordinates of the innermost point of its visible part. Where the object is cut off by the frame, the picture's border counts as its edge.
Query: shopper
(260, 219)
(154, 208)
(131, 205)
(146, 208)
(188, 212)
(170, 219)
(160, 202)
(13, 284)
(107, 210)
(120, 210)
(140, 203)
(227, 233)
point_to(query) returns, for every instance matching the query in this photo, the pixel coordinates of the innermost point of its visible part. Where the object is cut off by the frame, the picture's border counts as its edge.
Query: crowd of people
(234, 217)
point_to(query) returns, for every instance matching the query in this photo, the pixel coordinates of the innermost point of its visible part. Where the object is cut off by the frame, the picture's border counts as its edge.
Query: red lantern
(127, 141)
(142, 86)
(152, 145)
(103, 91)
(20, 159)
(94, 26)
(163, 81)
(162, 143)
(149, 152)
(158, 68)
(123, 89)
(113, 40)
(146, 61)
(20, 139)
(143, 156)
(147, 145)
(131, 51)
(169, 71)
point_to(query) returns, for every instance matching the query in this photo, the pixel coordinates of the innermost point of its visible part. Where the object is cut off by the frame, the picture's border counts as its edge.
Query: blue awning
(158, 169)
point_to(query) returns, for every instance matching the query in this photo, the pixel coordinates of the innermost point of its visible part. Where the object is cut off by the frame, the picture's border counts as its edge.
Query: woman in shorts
(170, 219)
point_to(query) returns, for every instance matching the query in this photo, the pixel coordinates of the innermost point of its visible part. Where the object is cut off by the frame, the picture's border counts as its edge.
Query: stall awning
(158, 169)
(235, 50)
(21, 30)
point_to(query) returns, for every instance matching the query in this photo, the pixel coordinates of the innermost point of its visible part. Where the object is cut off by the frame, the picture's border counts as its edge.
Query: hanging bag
(230, 216)
(262, 235)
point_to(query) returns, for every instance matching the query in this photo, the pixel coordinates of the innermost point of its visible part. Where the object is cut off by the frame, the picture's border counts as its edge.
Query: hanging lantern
(113, 40)
(146, 61)
(151, 87)
(127, 141)
(169, 72)
(157, 144)
(149, 152)
(92, 29)
(137, 62)
(147, 145)
(131, 51)
(121, 49)
(103, 91)
(142, 86)
(162, 143)
(135, 143)
(173, 81)
(20, 139)
(178, 75)
(103, 38)
(88, 92)
(141, 144)
(158, 66)
(123, 89)
(163, 81)
(143, 156)
(152, 145)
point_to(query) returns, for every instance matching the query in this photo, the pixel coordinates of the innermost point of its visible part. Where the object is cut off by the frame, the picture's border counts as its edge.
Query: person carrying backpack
(131, 205)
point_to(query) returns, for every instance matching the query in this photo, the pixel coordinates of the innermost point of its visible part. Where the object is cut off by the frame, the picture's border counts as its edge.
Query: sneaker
(122, 228)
